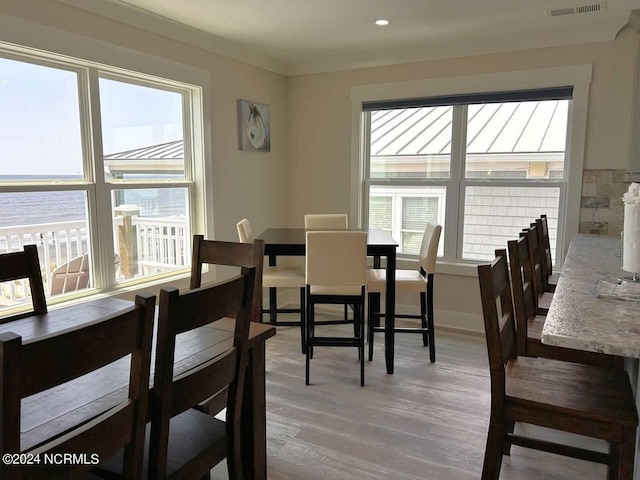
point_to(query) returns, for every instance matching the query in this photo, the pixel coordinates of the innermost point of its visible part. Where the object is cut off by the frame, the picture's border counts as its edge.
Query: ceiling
(305, 36)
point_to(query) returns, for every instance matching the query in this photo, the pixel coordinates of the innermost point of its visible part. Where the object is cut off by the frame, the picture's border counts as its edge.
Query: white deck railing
(162, 244)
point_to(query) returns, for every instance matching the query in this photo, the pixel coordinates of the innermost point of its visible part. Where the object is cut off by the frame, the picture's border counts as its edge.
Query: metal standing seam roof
(163, 151)
(497, 128)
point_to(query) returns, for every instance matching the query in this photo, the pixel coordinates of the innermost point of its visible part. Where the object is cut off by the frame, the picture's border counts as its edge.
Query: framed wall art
(254, 126)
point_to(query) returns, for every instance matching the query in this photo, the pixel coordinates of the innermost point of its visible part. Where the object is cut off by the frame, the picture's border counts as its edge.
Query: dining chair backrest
(499, 323)
(524, 296)
(245, 232)
(539, 282)
(182, 312)
(215, 252)
(334, 221)
(25, 265)
(336, 258)
(429, 247)
(545, 245)
(29, 368)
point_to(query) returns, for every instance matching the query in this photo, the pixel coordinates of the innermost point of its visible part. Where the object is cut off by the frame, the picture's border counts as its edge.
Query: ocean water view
(33, 208)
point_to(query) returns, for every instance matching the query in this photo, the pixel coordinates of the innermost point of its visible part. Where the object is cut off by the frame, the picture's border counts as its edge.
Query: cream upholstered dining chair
(329, 221)
(336, 273)
(418, 281)
(333, 221)
(278, 277)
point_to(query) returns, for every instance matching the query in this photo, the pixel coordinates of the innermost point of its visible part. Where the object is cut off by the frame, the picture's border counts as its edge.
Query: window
(100, 167)
(483, 166)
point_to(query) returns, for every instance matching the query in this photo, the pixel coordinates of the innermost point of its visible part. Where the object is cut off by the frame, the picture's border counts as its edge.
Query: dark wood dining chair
(29, 368)
(184, 442)
(543, 297)
(336, 273)
(529, 324)
(419, 280)
(20, 266)
(542, 225)
(582, 399)
(231, 254)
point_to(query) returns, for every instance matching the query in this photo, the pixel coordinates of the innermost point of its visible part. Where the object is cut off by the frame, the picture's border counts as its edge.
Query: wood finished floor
(427, 421)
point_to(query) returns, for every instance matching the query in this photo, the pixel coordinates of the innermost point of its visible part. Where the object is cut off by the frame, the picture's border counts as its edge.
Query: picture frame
(254, 126)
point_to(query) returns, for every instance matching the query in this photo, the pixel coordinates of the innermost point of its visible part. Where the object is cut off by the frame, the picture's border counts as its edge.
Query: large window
(482, 166)
(97, 171)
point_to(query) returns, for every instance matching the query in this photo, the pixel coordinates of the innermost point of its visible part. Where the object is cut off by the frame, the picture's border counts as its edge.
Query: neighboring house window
(97, 170)
(483, 166)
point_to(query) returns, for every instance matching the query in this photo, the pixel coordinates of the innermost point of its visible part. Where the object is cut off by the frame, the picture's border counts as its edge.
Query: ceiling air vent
(588, 8)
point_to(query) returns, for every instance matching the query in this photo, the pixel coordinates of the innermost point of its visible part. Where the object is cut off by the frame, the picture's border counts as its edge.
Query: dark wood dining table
(54, 411)
(291, 242)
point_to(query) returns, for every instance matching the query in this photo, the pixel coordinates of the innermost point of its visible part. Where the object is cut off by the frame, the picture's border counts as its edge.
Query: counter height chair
(529, 324)
(182, 441)
(327, 221)
(582, 399)
(336, 273)
(20, 266)
(32, 367)
(418, 281)
(274, 277)
(186, 443)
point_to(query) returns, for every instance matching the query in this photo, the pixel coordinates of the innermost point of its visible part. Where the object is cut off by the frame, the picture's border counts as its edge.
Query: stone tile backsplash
(601, 207)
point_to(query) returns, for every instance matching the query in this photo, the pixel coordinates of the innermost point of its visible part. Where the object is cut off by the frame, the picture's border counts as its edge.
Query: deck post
(127, 243)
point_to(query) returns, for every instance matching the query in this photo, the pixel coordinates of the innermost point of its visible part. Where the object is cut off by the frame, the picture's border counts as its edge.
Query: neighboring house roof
(162, 157)
(497, 128)
(162, 151)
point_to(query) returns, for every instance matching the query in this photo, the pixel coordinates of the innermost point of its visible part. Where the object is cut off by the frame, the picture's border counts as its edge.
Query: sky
(40, 118)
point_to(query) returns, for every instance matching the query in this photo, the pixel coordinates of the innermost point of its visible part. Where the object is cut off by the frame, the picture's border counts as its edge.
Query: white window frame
(20, 40)
(577, 76)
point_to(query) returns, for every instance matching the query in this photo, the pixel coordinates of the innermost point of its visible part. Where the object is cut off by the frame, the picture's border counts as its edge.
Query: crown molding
(143, 19)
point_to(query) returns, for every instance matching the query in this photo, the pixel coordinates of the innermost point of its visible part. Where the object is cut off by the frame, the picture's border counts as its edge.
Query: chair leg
(303, 321)
(622, 464)
(493, 451)
(511, 425)
(360, 310)
(273, 305)
(374, 306)
(309, 342)
(430, 322)
(423, 318)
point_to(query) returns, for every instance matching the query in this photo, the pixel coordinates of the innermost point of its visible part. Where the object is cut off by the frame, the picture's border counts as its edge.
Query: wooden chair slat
(74, 354)
(203, 382)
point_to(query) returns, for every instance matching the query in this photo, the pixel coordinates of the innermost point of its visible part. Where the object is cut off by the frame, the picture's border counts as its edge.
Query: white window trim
(578, 76)
(79, 50)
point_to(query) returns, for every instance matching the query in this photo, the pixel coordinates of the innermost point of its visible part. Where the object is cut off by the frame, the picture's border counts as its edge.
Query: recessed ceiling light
(382, 22)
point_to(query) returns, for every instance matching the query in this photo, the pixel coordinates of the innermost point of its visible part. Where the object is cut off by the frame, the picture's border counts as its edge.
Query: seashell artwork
(254, 126)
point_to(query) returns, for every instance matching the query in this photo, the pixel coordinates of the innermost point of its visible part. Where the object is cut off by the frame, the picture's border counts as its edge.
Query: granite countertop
(577, 318)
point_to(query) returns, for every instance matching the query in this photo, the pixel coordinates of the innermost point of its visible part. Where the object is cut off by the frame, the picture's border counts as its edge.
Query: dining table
(52, 412)
(584, 315)
(292, 242)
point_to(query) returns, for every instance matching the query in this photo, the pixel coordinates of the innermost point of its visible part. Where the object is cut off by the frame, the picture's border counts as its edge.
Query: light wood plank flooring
(427, 421)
